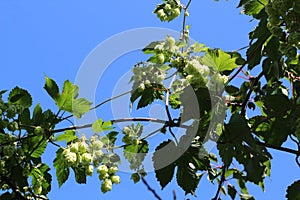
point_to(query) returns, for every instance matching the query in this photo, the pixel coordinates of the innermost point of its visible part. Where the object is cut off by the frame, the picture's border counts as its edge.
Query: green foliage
(193, 158)
(67, 100)
(62, 170)
(99, 126)
(67, 136)
(293, 191)
(20, 97)
(243, 139)
(219, 60)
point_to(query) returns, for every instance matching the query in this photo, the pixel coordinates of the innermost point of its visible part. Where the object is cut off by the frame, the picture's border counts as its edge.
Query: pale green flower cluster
(89, 154)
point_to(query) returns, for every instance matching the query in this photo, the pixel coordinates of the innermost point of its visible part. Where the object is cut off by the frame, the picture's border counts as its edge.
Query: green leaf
(62, 171)
(272, 48)
(293, 191)
(260, 34)
(149, 49)
(255, 170)
(80, 175)
(279, 131)
(38, 151)
(21, 97)
(37, 114)
(254, 7)
(67, 100)
(187, 179)
(219, 60)
(277, 105)
(67, 136)
(99, 126)
(80, 106)
(110, 138)
(148, 95)
(232, 90)
(231, 191)
(135, 177)
(135, 154)
(163, 163)
(226, 152)
(24, 117)
(41, 172)
(246, 197)
(52, 88)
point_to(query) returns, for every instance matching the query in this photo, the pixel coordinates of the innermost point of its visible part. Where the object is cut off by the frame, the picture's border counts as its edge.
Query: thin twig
(101, 103)
(242, 48)
(245, 63)
(167, 107)
(236, 73)
(112, 98)
(184, 22)
(221, 182)
(284, 149)
(152, 133)
(150, 189)
(244, 105)
(173, 135)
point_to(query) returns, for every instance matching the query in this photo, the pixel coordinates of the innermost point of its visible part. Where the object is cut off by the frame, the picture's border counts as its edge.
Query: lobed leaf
(21, 97)
(100, 126)
(219, 60)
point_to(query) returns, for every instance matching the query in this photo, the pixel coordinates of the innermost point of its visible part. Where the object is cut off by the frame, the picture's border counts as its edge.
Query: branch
(167, 107)
(249, 93)
(141, 119)
(284, 149)
(150, 189)
(246, 62)
(237, 72)
(100, 104)
(112, 98)
(184, 21)
(221, 183)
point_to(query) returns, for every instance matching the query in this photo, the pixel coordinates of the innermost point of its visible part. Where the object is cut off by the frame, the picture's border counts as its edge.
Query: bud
(102, 169)
(113, 170)
(106, 186)
(39, 131)
(97, 145)
(71, 157)
(83, 147)
(86, 157)
(74, 147)
(103, 176)
(116, 179)
(89, 170)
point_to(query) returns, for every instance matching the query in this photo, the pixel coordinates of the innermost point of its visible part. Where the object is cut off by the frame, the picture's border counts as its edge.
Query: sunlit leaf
(51, 88)
(219, 60)
(100, 126)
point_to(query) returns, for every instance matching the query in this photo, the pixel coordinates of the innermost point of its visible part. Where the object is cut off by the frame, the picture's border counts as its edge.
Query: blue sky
(53, 38)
